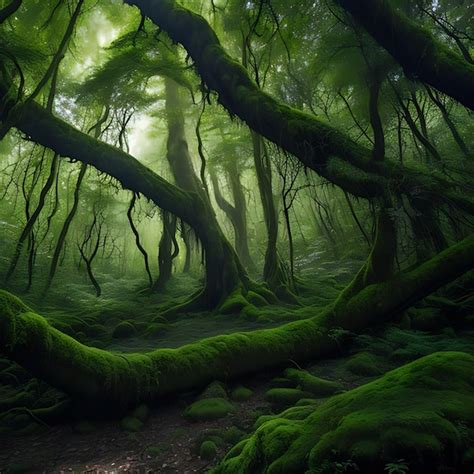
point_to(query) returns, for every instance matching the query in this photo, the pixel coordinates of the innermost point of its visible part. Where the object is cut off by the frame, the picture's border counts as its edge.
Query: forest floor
(166, 441)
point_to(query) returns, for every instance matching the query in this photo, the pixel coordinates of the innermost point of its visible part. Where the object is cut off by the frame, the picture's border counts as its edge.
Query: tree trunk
(319, 146)
(224, 272)
(117, 381)
(168, 250)
(235, 213)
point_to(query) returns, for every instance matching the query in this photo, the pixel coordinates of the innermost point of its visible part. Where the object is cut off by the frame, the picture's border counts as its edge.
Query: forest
(236, 236)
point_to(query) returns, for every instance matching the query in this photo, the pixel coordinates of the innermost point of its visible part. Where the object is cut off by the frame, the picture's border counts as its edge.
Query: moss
(124, 330)
(208, 450)
(241, 394)
(428, 319)
(156, 330)
(309, 383)
(415, 413)
(251, 313)
(363, 363)
(283, 397)
(256, 299)
(141, 412)
(131, 424)
(155, 451)
(234, 303)
(214, 390)
(209, 409)
(233, 435)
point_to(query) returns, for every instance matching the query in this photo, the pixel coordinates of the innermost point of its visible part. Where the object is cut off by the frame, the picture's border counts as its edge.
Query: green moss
(141, 412)
(234, 303)
(155, 451)
(256, 299)
(233, 435)
(363, 363)
(284, 397)
(124, 330)
(215, 389)
(209, 409)
(156, 330)
(241, 394)
(208, 450)
(428, 319)
(131, 424)
(309, 383)
(420, 412)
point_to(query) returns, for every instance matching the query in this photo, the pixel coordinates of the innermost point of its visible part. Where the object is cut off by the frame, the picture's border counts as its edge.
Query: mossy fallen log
(122, 380)
(421, 413)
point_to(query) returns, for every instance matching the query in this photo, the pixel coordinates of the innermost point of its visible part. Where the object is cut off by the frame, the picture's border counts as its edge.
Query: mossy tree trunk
(224, 271)
(120, 380)
(422, 56)
(323, 148)
(273, 270)
(167, 251)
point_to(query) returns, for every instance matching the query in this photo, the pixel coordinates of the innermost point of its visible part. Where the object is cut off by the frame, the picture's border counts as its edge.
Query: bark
(434, 96)
(168, 250)
(319, 146)
(237, 213)
(137, 238)
(121, 380)
(65, 228)
(273, 271)
(28, 228)
(375, 83)
(9, 10)
(422, 56)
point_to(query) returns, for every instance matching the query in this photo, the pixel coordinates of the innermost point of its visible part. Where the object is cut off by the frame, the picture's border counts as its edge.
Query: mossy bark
(119, 380)
(422, 56)
(224, 272)
(319, 146)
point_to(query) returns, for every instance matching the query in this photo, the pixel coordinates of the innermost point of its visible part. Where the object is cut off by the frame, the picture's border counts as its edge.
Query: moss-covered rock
(284, 397)
(129, 423)
(233, 435)
(422, 412)
(215, 389)
(209, 409)
(241, 394)
(123, 330)
(310, 383)
(363, 363)
(208, 450)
